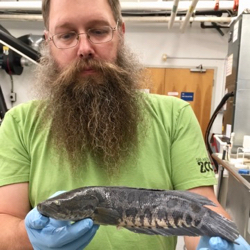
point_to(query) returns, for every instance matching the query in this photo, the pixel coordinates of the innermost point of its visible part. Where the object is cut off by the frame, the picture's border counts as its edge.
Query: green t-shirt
(171, 156)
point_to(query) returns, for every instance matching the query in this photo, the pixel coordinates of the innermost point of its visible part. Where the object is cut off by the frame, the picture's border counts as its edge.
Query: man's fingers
(35, 220)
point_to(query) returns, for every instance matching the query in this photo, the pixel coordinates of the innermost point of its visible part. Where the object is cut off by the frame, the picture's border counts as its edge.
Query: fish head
(68, 207)
(51, 208)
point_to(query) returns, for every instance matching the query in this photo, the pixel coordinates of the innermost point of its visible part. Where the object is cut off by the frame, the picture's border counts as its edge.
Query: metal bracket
(199, 69)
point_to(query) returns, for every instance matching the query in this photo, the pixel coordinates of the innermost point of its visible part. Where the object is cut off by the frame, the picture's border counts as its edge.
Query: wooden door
(178, 82)
(157, 76)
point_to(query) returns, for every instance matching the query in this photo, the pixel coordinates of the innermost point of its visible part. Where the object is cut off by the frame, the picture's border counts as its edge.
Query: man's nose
(85, 47)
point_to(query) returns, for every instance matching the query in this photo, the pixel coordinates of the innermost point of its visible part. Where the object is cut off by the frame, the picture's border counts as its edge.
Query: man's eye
(66, 36)
(99, 32)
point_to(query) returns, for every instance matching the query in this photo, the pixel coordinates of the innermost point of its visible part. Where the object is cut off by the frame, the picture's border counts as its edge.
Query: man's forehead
(80, 11)
(81, 5)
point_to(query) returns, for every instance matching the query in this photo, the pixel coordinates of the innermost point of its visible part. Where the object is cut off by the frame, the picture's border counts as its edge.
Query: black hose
(210, 124)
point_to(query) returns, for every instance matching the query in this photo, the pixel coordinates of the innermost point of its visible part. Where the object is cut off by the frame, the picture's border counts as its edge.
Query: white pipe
(18, 52)
(24, 5)
(180, 19)
(152, 19)
(167, 5)
(173, 14)
(21, 17)
(126, 6)
(188, 15)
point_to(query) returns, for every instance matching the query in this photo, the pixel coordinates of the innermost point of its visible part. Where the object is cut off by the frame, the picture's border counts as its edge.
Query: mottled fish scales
(148, 211)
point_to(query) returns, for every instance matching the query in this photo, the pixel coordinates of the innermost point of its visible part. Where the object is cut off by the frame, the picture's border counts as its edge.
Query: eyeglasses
(97, 35)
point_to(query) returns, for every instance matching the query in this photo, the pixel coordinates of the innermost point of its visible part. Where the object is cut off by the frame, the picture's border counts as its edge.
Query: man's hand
(217, 243)
(50, 234)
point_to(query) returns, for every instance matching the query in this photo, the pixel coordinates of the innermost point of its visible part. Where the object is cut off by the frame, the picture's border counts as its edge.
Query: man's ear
(46, 35)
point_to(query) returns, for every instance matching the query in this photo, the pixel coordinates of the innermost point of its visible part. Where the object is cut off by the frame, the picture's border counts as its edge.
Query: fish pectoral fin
(106, 216)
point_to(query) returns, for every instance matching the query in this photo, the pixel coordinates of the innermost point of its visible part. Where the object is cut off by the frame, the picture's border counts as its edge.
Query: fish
(141, 210)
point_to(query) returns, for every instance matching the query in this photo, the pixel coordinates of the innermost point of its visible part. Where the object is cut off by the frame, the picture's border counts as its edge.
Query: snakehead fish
(147, 211)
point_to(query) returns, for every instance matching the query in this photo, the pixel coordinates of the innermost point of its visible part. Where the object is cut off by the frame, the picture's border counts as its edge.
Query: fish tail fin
(218, 225)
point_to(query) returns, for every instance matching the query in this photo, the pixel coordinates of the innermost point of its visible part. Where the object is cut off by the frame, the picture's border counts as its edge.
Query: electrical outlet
(13, 97)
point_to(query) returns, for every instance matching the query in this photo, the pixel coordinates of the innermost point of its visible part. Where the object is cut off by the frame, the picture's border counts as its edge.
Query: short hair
(114, 5)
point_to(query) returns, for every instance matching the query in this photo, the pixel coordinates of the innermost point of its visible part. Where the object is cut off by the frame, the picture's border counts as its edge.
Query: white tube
(18, 52)
(167, 5)
(173, 14)
(126, 6)
(179, 19)
(188, 15)
(21, 17)
(153, 19)
(24, 5)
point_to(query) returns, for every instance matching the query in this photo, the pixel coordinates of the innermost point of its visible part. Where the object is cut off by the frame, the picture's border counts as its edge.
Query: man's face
(80, 16)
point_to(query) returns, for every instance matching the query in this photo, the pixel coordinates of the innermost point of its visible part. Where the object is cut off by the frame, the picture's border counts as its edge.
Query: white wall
(196, 46)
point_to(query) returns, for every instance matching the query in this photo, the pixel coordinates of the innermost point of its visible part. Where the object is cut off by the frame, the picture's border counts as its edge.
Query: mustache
(99, 66)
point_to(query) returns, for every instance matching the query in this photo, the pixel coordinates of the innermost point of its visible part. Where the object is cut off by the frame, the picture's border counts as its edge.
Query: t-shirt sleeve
(14, 159)
(191, 166)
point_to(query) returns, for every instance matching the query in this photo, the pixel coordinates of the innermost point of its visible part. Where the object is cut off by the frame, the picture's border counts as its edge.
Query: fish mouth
(40, 209)
(46, 210)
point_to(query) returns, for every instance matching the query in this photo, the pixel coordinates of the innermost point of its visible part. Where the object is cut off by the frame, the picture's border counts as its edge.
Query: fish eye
(57, 202)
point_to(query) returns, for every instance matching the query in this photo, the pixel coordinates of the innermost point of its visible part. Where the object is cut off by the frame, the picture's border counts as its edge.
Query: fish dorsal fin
(106, 216)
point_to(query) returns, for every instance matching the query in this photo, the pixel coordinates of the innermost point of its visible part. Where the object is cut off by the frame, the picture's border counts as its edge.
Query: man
(93, 127)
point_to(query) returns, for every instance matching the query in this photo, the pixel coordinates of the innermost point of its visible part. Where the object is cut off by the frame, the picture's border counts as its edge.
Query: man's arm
(207, 191)
(17, 220)
(14, 206)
